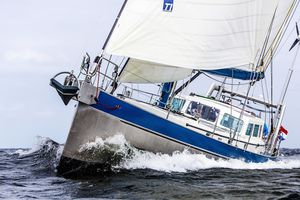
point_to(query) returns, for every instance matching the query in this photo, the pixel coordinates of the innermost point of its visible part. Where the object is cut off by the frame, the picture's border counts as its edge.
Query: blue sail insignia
(168, 5)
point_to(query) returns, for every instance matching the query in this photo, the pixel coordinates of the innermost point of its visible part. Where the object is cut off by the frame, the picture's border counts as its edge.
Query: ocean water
(135, 174)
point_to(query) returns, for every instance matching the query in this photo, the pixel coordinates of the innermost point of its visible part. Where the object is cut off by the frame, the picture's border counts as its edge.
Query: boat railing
(212, 134)
(105, 69)
(133, 93)
(213, 128)
(235, 96)
(106, 76)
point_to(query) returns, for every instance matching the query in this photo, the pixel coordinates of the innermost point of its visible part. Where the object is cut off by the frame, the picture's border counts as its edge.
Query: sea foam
(133, 158)
(183, 161)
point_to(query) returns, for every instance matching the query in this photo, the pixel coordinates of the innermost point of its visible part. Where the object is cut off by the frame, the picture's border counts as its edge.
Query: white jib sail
(196, 34)
(138, 71)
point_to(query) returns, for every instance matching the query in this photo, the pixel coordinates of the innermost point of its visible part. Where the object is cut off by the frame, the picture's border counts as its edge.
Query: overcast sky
(41, 38)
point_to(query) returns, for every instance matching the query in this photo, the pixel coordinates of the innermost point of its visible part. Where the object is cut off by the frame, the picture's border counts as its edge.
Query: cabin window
(177, 104)
(231, 122)
(256, 130)
(202, 111)
(249, 129)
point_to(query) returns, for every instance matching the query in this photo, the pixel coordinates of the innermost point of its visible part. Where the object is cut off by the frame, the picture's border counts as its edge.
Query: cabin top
(220, 114)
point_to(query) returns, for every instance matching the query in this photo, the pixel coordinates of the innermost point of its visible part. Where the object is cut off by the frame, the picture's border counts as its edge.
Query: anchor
(68, 89)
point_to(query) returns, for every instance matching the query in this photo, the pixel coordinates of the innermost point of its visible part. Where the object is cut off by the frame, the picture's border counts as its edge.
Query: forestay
(196, 34)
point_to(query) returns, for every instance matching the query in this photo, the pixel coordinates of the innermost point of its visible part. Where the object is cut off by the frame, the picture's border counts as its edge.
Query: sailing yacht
(170, 44)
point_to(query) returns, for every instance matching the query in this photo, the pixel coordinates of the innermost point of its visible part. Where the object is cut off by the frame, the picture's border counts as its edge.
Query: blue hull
(172, 131)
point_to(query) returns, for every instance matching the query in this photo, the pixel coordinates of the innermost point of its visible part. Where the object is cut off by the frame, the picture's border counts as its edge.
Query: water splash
(42, 144)
(122, 155)
(45, 153)
(185, 161)
(111, 151)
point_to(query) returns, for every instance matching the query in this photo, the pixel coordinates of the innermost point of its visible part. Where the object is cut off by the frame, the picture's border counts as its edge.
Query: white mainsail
(195, 34)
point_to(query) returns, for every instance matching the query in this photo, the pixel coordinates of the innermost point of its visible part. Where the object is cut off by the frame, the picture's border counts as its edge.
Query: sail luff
(114, 25)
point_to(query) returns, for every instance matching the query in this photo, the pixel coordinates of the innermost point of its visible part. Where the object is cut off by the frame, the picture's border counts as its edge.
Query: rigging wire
(231, 113)
(267, 40)
(267, 89)
(253, 81)
(186, 88)
(275, 45)
(272, 95)
(254, 87)
(264, 97)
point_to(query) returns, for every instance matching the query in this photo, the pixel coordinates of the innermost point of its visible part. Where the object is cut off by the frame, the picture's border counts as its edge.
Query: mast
(171, 99)
(167, 89)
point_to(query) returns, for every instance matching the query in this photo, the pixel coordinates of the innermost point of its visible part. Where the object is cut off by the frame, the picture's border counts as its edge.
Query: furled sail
(198, 34)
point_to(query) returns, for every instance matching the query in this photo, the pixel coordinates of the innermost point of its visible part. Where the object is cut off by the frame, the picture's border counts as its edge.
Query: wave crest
(132, 158)
(45, 153)
(121, 155)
